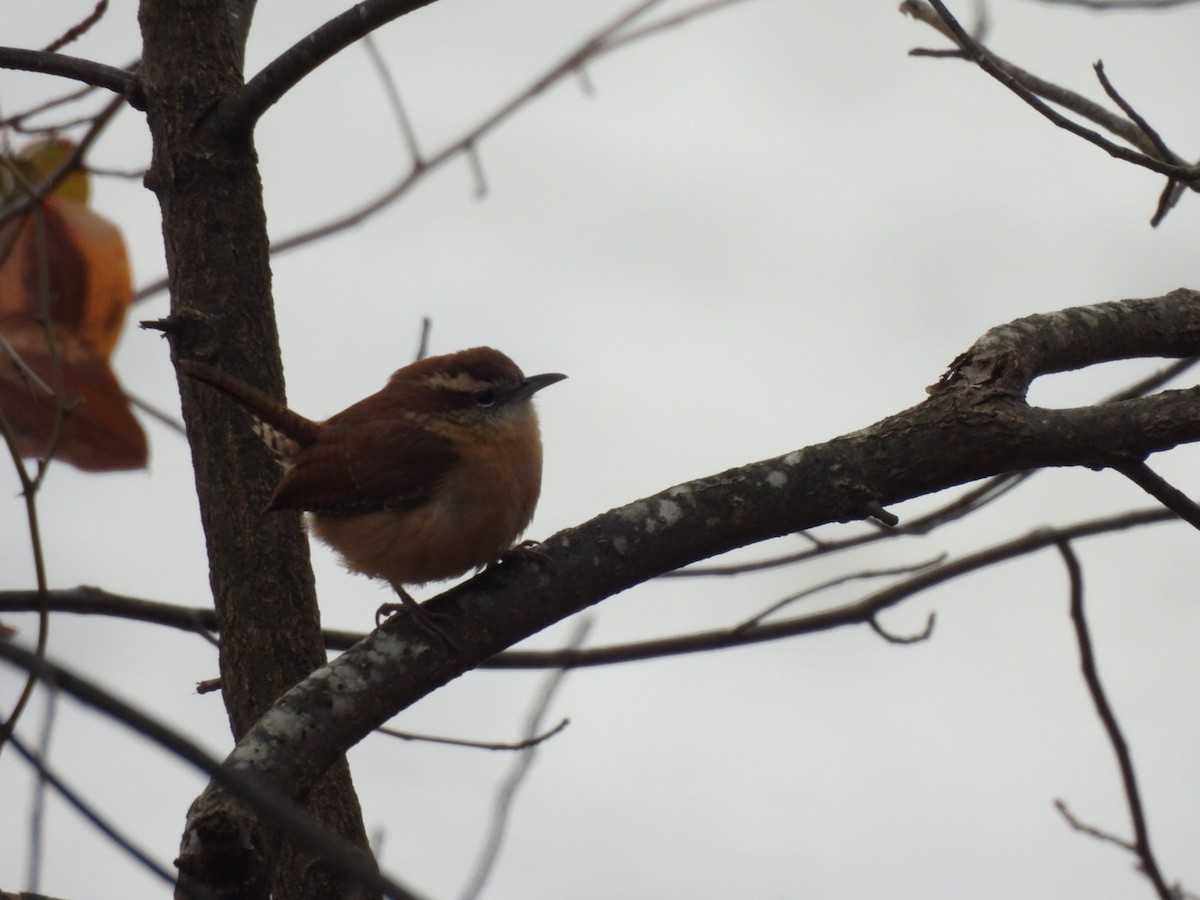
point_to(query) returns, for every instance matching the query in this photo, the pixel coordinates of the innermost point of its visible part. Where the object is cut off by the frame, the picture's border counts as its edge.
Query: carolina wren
(436, 474)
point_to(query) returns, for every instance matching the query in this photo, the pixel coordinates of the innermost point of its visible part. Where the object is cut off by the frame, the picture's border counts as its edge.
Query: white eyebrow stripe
(460, 381)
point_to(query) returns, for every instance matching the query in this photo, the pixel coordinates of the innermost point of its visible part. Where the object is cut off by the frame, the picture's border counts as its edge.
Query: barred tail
(284, 431)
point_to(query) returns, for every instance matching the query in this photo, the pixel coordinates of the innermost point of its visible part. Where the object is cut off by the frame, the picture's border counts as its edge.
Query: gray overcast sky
(756, 232)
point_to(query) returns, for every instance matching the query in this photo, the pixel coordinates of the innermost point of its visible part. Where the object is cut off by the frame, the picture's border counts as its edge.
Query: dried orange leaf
(98, 431)
(63, 263)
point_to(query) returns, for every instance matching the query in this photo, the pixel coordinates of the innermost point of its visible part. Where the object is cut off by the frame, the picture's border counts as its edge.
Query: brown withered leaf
(71, 264)
(99, 433)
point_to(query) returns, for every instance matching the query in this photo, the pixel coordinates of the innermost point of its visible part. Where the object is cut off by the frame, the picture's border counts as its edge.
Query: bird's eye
(485, 398)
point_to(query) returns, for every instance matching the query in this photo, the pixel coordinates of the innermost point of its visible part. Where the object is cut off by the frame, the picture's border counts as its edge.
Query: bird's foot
(423, 618)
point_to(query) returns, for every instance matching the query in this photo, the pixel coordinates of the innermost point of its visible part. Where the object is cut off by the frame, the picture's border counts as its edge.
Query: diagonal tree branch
(238, 114)
(1162, 490)
(48, 63)
(975, 424)
(1091, 675)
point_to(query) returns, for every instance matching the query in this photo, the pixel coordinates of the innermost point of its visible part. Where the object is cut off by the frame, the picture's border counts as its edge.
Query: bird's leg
(424, 619)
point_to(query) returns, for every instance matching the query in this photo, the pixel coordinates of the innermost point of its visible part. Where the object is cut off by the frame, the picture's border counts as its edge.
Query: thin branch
(969, 501)
(47, 776)
(1172, 190)
(393, 94)
(16, 120)
(1008, 76)
(1135, 117)
(238, 114)
(1162, 490)
(1170, 195)
(923, 635)
(79, 29)
(32, 380)
(1091, 830)
(94, 601)
(1067, 99)
(54, 129)
(37, 804)
(1154, 381)
(29, 492)
(477, 173)
(155, 413)
(269, 803)
(1109, 5)
(506, 796)
(757, 619)
(591, 48)
(423, 341)
(90, 600)
(1087, 661)
(93, 73)
(34, 196)
(860, 612)
(524, 744)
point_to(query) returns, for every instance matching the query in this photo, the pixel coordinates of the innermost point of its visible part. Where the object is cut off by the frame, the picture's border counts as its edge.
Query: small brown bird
(436, 474)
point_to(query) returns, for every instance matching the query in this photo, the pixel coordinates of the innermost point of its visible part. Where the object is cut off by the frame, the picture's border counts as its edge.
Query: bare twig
(393, 95)
(1160, 489)
(30, 485)
(604, 41)
(47, 776)
(1091, 830)
(94, 601)
(37, 804)
(33, 381)
(1144, 127)
(1029, 89)
(1091, 675)
(1155, 381)
(89, 600)
(1172, 190)
(155, 413)
(508, 790)
(968, 502)
(268, 802)
(93, 73)
(524, 744)
(17, 120)
(239, 114)
(923, 635)
(856, 613)
(69, 165)
(53, 129)
(472, 151)
(758, 618)
(78, 30)
(1107, 5)
(423, 342)
(1067, 99)
(1170, 195)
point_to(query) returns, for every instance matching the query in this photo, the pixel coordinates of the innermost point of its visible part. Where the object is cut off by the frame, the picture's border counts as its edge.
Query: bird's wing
(360, 467)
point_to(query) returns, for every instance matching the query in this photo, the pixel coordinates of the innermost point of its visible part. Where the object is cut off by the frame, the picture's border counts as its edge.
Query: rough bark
(214, 228)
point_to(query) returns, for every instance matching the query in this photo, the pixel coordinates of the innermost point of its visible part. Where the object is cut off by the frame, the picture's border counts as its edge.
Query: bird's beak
(534, 383)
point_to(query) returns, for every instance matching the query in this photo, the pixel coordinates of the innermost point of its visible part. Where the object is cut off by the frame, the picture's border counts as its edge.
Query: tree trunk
(214, 226)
